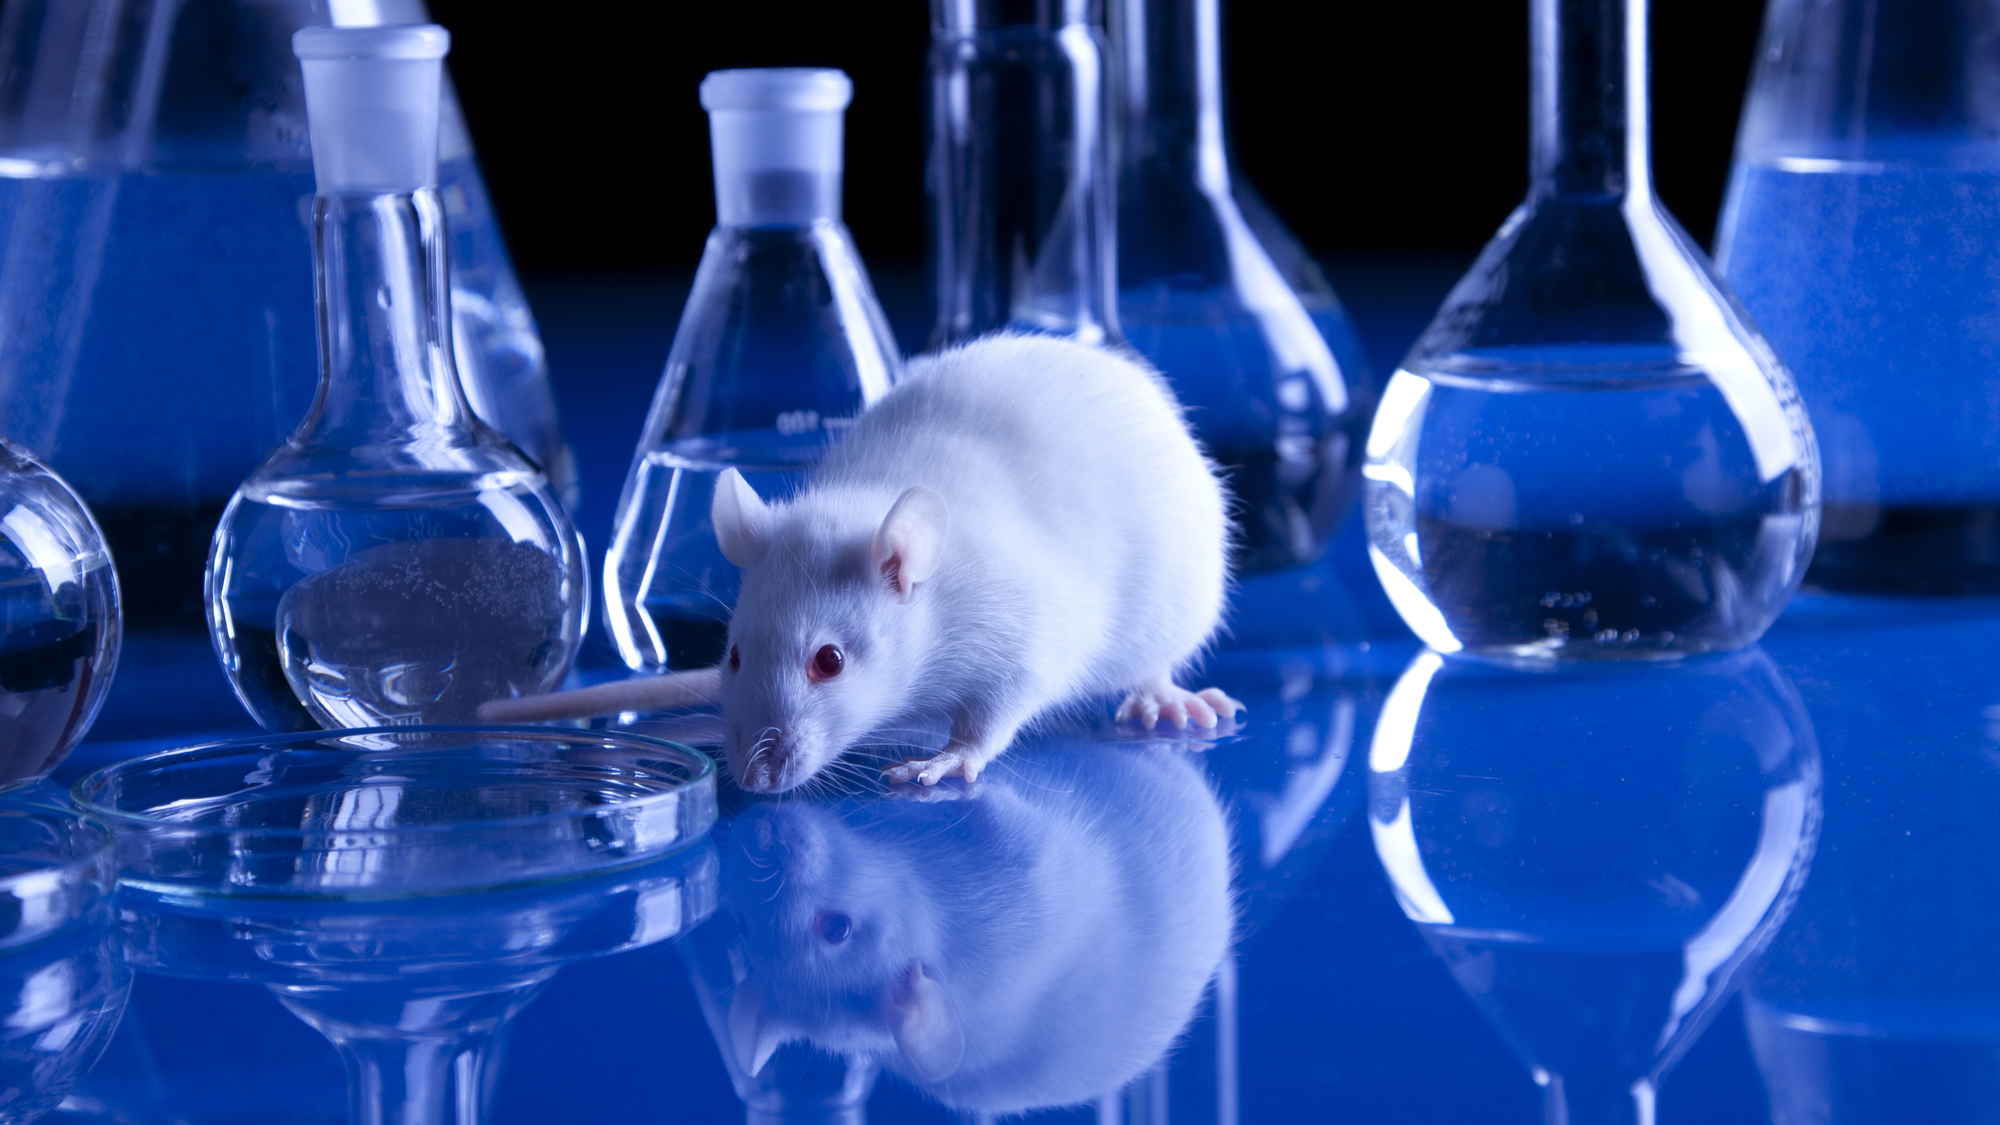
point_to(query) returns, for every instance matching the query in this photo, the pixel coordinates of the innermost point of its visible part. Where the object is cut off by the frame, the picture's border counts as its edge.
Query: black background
(1368, 126)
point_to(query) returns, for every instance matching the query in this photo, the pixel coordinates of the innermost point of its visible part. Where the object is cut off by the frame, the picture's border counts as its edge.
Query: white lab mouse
(1020, 525)
(1039, 943)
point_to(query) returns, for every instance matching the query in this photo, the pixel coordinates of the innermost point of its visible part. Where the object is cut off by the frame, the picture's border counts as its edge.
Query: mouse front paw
(1147, 705)
(930, 771)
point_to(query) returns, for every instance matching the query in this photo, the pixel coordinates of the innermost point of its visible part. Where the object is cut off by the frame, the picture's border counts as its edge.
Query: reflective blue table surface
(1766, 869)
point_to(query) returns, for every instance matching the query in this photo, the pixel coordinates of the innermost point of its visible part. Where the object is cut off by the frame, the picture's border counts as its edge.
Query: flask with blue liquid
(1862, 230)
(1222, 298)
(156, 191)
(396, 560)
(781, 344)
(1019, 172)
(1590, 452)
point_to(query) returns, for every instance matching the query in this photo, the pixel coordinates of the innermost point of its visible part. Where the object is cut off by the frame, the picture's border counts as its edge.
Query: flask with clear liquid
(155, 193)
(59, 621)
(396, 560)
(1019, 173)
(1590, 452)
(1215, 291)
(781, 344)
(1862, 230)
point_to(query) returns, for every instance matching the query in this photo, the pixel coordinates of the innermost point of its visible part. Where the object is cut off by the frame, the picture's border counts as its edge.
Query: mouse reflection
(1595, 851)
(1038, 941)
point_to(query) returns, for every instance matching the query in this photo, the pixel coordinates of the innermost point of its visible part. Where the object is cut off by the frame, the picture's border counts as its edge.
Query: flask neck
(384, 300)
(1589, 103)
(967, 17)
(1171, 87)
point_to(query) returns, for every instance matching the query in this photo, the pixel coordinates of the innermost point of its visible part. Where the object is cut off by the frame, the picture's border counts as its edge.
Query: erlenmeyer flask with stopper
(782, 343)
(59, 622)
(1019, 176)
(1590, 452)
(1219, 295)
(1860, 230)
(395, 560)
(155, 187)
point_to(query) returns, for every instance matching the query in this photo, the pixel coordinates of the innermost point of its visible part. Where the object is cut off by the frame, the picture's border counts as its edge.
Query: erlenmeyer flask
(1860, 231)
(59, 620)
(1590, 452)
(1019, 172)
(782, 343)
(1230, 307)
(395, 560)
(155, 188)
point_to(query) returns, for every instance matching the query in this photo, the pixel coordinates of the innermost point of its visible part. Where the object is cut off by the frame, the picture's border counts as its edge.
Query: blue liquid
(1290, 447)
(1592, 510)
(1878, 285)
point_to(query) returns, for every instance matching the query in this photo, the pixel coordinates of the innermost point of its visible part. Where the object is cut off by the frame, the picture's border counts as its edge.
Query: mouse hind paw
(1163, 699)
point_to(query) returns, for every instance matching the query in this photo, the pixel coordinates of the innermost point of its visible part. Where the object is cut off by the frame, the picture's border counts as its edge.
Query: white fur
(1021, 524)
(1085, 555)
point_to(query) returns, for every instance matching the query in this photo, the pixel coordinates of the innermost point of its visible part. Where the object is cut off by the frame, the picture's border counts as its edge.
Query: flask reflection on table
(1040, 940)
(404, 891)
(1880, 1000)
(63, 982)
(1596, 851)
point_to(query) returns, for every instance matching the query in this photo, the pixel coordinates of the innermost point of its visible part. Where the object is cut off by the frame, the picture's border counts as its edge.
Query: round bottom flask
(1590, 452)
(1583, 502)
(59, 619)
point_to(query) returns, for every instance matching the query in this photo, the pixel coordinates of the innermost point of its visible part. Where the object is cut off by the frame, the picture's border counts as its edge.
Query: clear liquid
(1877, 284)
(669, 589)
(409, 604)
(1583, 511)
(161, 342)
(1291, 449)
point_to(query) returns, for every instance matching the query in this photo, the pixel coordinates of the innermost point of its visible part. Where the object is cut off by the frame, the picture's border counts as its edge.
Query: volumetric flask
(1222, 299)
(1862, 230)
(1019, 171)
(782, 343)
(155, 266)
(1590, 452)
(395, 560)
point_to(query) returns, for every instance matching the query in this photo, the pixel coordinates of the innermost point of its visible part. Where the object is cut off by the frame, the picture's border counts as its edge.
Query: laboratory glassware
(1879, 1001)
(59, 617)
(156, 264)
(1596, 852)
(63, 981)
(1018, 171)
(395, 560)
(405, 891)
(1221, 297)
(1860, 231)
(1590, 452)
(781, 344)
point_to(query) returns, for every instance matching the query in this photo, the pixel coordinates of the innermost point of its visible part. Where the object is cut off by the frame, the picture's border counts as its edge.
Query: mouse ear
(740, 519)
(910, 541)
(925, 1027)
(754, 1033)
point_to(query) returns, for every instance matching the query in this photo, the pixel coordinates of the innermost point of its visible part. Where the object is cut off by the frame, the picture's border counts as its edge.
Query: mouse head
(829, 631)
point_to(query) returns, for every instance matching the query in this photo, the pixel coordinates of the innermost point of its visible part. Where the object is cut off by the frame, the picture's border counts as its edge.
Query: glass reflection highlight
(1595, 852)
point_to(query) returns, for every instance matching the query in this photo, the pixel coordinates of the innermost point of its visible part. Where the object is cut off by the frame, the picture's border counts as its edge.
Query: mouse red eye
(735, 661)
(826, 663)
(833, 928)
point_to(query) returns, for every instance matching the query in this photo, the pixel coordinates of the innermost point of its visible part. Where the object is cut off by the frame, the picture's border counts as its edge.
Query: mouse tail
(666, 692)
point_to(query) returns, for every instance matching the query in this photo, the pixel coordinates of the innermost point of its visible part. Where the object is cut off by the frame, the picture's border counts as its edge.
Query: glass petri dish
(392, 812)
